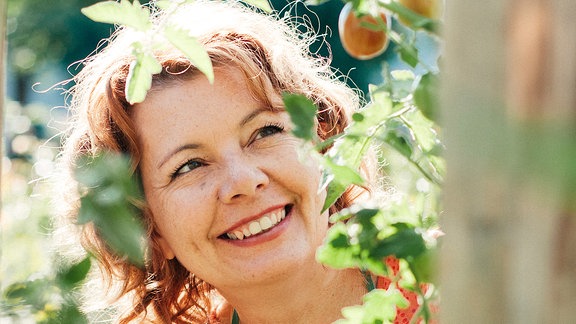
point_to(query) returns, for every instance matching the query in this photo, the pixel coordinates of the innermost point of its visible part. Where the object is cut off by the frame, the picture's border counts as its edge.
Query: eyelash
(176, 173)
(276, 128)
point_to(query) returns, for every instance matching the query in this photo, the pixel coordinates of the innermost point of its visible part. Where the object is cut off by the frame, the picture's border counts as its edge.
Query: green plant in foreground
(362, 237)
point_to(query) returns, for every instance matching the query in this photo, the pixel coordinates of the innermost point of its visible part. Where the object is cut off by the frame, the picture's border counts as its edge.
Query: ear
(165, 247)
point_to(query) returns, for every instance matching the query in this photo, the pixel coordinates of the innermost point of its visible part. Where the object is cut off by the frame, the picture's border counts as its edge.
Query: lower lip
(267, 236)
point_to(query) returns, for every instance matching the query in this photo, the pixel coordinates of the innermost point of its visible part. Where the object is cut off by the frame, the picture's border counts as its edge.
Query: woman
(233, 214)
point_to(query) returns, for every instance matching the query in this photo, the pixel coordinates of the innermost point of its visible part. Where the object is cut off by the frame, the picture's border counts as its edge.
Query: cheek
(174, 211)
(310, 176)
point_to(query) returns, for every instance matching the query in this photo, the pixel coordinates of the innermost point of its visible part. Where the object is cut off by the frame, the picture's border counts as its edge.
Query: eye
(187, 167)
(269, 130)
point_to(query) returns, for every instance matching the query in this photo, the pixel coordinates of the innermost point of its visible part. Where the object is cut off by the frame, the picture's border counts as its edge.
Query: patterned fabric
(403, 315)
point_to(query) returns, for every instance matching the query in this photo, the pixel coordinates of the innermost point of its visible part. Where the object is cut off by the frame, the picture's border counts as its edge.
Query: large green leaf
(109, 192)
(302, 112)
(337, 251)
(139, 79)
(71, 276)
(124, 13)
(193, 50)
(407, 242)
(337, 178)
(426, 96)
(379, 307)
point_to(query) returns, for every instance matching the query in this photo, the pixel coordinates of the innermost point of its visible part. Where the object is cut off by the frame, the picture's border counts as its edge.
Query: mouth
(258, 226)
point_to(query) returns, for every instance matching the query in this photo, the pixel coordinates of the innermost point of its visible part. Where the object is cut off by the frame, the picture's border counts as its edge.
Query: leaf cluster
(50, 300)
(110, 199)
(401, 118)
(144, 64)
(154, 36)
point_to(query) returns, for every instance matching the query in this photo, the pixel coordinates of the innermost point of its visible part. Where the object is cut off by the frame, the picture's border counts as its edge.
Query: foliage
(110, 202)
(399, 122)
(33, 44)
(362, 237)
(50, 299)
(42, 34)
(137, 17)
(34, 285)
(400, 117)
(375, 308)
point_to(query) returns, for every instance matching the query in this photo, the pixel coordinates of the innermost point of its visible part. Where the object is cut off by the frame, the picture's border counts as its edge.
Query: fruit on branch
(363, 36)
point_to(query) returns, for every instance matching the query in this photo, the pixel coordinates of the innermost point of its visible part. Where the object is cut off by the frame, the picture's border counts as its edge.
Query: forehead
(193, 94)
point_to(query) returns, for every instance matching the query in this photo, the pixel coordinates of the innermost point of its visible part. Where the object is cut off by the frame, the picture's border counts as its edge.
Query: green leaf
(414, 19)
(122, 13)
(170, 4)
(350, 244)
(139, 79)
(69, 277)
(400, 83)
(87, 211)
(110, 204)
(400, 137)
(262, 4)
(414, 136)
(426, 96)
(347, 153)
(193, 50)
(338, 178)
(315, 2)
(302, 112)
(407, 242)
(163, 4)
(424, 266)
(408, 53)
(35, 293)
(70, 313)
(379, 307)
(337, 251)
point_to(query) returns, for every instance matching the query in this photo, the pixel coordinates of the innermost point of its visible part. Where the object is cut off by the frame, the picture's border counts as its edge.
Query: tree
(510, 113)
(47, 32)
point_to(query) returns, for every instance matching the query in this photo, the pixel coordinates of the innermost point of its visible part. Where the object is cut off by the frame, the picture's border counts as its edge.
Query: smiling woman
(234, 215)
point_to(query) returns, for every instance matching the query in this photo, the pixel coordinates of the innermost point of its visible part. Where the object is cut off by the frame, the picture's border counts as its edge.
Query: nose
(242, 178)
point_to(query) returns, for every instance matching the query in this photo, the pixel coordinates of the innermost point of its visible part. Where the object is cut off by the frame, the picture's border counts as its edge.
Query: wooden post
(3, 8)
(509, 109)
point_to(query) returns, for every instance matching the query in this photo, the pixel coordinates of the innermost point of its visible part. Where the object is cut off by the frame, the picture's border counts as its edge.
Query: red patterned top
(403, 315)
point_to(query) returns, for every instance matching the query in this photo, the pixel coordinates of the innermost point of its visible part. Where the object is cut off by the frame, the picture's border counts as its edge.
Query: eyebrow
(252, 115)
(193, 146)
(176, 151)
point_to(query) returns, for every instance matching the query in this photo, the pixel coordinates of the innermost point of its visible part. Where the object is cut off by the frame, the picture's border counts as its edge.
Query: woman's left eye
(269, 130)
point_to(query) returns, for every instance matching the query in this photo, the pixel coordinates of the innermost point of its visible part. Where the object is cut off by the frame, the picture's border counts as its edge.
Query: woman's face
(228, 193)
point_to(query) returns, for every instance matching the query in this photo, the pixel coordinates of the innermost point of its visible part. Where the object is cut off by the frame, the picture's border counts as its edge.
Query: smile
(260, 225)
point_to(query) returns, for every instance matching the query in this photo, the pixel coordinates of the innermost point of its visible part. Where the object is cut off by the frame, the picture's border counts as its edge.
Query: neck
(313, 295)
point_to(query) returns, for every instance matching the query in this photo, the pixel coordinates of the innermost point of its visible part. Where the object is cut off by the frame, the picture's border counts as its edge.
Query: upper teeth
(258, 226)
